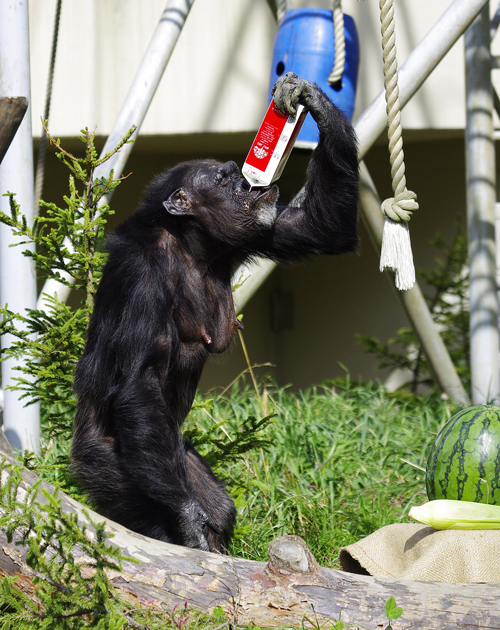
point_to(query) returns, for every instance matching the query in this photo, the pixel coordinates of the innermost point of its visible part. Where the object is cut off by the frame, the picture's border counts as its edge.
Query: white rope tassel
(396, 253)
(396, 245)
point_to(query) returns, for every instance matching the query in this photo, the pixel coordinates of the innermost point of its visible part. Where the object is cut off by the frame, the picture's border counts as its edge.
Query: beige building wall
(215, 81)
(209, 104)
(217, 78)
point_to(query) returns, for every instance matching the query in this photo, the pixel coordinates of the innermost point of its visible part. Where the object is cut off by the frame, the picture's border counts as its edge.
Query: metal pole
(145, 83)
(250, 277)
(412, 301)
(136, 103)
(481, 197)
(17, 275)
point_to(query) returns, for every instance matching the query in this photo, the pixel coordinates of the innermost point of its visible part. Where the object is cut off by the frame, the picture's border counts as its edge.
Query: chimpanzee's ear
(179, 202)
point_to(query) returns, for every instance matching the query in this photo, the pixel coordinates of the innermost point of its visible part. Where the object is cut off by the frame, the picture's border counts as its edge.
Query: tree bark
(12, 110)
(279, 592)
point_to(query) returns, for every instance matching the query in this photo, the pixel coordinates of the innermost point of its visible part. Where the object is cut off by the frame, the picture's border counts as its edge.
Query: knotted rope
(281, 9)
(396, 246)
(338, 29)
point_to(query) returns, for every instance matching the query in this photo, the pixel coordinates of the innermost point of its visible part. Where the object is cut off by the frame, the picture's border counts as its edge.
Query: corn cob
(451, 514)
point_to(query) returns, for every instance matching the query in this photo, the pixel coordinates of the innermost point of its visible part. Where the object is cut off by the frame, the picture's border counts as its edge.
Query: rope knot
(400, 207)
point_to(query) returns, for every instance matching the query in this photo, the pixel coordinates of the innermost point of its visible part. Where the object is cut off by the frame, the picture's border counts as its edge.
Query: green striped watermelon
(465, 452)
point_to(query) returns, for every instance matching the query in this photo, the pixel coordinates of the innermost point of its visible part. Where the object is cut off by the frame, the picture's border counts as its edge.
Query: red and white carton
(272, 146)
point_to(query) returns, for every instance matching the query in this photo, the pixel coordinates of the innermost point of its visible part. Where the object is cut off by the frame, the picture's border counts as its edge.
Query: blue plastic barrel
(305, 44)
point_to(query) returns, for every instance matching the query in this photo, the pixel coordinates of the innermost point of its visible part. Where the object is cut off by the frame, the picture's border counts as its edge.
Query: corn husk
(450, 514)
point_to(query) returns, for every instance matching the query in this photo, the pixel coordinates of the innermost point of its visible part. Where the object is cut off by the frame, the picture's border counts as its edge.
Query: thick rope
(338, 28)
(282, 8)
(42, 152)
(396, 247)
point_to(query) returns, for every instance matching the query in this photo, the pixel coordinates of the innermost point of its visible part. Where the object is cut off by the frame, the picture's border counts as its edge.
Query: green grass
(336, 467)
(330, 465)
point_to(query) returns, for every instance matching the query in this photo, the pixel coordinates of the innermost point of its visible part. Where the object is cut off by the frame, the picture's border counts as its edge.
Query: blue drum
(305, 44)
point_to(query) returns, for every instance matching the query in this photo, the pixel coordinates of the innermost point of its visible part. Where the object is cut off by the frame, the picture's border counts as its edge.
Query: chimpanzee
(164, 305)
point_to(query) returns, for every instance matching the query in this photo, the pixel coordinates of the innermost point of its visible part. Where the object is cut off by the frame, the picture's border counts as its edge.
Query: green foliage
(219, 448)
(335, 468)
(66, 237)
(447, 298)
(50, 342)
(66, 584)
(64, 245)
(392, 612)
(69, 592)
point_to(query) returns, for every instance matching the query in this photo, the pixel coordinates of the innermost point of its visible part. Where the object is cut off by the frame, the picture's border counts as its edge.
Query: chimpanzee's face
(223, 189)
(223, 201)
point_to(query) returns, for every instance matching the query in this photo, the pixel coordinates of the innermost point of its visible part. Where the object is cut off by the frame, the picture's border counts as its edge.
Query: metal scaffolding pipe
(250, 277)
(17, 276)
(481, 197)
(145, 83)
(136, 105)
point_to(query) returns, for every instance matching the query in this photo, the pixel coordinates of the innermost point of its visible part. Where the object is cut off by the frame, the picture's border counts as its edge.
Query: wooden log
(279, 592)
(12, 110)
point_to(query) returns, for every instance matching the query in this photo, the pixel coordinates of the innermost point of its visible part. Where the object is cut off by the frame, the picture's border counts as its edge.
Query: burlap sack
(419, 552)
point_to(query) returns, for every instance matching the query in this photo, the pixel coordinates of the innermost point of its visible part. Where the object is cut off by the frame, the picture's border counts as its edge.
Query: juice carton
(272, 146)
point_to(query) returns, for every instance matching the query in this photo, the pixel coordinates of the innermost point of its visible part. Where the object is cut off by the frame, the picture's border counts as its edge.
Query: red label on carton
(272, 146)
(267, 138)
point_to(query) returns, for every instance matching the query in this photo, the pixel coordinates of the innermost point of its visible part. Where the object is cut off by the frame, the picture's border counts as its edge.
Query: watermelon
(464, 461)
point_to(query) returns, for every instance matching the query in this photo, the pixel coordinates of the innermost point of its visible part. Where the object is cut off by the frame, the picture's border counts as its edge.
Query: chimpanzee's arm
(325, 221)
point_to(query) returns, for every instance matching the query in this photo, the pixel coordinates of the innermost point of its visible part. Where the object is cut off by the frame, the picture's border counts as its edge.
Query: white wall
(217, 79)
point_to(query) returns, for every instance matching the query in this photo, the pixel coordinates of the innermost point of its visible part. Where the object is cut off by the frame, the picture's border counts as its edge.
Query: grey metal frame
(17, 278)
(481, 198)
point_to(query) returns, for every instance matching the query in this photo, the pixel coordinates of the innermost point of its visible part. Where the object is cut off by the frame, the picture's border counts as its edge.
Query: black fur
(164, 305)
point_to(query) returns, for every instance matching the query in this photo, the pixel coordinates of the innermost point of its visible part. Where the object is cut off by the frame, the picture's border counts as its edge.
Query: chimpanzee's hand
(289, 90)
(192, 521)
